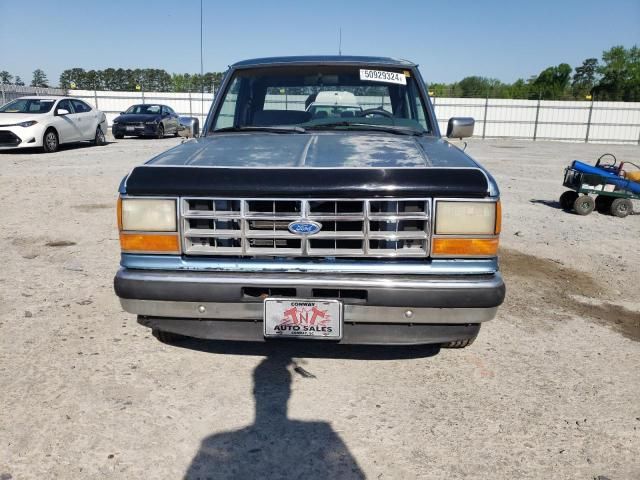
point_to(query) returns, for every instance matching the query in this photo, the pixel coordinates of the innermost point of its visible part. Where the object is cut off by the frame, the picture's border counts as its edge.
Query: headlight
(148, 215)
(27, 124)
(115, 121)
(466, 218)
(151, 123)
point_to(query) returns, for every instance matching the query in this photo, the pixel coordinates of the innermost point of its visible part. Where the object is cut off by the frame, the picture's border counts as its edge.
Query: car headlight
(466, 229)
(148, 215)
(115, 121)
(465, 218)
(151, 123)
(27, 123)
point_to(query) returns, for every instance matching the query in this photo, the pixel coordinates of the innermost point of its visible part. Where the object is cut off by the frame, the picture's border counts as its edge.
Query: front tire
(459, 343)
(119, 136)
(166, 337)
(584, 205)
(50, 141)
(99, 138)
(160, 132)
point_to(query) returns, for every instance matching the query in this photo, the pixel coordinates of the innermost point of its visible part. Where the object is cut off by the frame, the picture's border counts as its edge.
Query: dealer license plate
(295, 317)
(130, 129)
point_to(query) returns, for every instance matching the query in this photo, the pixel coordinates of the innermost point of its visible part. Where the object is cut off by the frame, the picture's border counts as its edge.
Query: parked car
(48, 122)
(146, 120)
(277, 225)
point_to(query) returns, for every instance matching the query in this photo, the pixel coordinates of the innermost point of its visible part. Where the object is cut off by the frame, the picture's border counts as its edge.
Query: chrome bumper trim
(325, 266)
(352, 313)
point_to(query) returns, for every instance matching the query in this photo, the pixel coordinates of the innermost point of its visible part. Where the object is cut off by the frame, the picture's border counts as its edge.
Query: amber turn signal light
(467, 247)
(149, 243)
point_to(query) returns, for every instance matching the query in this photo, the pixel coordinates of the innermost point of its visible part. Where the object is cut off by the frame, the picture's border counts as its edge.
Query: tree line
(149, 79)
(616, 77)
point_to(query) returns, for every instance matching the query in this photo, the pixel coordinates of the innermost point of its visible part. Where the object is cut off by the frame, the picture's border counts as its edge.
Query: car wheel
(584, 205)
(621, 207)
(50, 141)
(119, 136)
(567, 199)
(166, 337)
(99, 139)
(160, 132)
(459, 343)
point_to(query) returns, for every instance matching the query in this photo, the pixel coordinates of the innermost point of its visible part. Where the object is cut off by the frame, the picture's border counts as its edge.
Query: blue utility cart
(613, 192)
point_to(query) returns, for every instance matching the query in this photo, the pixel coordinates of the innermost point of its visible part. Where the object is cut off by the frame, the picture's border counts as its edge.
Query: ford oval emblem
(305, 227)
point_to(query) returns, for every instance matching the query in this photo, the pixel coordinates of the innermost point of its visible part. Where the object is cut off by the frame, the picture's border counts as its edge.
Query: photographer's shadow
(274, 447)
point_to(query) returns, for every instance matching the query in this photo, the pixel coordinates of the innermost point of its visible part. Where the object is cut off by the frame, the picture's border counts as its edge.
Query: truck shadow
(274, 446)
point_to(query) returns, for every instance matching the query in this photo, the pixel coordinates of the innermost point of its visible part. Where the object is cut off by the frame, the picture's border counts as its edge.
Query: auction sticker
(295, 317)
(383, 76)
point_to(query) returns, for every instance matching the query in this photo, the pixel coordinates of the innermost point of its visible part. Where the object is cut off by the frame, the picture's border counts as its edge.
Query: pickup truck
(275, 223)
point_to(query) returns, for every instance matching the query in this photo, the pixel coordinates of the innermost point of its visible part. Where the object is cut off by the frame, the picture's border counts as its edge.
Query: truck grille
(350, 228)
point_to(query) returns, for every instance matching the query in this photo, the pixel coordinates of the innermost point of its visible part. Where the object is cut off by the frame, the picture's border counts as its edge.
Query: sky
(449, 40)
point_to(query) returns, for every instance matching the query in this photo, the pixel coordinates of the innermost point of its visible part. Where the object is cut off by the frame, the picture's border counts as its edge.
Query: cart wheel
(621, 207)
(603, 203)
(567, 199)
(584, 205)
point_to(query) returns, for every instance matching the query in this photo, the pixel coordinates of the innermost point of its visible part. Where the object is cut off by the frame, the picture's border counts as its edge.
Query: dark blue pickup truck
(319, 203)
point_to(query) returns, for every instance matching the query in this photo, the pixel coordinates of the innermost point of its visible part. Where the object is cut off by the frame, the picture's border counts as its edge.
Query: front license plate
(130, 129)
(295, 317)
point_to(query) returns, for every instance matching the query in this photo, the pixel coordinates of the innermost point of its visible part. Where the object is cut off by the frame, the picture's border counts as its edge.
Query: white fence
(597, 122)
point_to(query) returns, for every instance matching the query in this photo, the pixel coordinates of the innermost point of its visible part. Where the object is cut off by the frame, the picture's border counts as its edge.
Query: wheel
(99, 139)
(584, 205)
(160, 132)
(621, 207)
(119, 136)
(166, 337)
(459, 343)
(603, 204)
(567, 199)
(50, 141)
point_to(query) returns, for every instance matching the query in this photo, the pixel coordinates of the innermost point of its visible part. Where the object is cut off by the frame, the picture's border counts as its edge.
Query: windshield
(28, 105)
(144, 109)
(323, 97)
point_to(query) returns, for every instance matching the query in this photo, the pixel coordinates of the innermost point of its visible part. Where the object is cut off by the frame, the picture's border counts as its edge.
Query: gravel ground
(550, 389)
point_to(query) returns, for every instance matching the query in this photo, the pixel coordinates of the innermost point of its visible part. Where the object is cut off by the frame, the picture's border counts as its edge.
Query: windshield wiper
(368, 126)
(253, 128)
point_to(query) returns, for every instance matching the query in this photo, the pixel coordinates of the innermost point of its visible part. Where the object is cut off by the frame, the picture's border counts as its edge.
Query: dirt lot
(550, 389)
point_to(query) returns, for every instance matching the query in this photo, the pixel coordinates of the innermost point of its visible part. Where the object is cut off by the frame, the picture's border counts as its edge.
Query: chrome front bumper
(424, 299)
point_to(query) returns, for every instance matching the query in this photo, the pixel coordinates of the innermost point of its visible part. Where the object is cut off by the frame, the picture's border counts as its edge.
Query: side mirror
(121, 113)
(460, 127)
(189, 127)
(62, 111)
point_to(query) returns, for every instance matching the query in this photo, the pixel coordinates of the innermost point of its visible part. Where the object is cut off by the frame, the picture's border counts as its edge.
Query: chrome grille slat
(351, 227)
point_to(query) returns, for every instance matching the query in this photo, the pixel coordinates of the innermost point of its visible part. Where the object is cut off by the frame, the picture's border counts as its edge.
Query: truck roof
(325, 59)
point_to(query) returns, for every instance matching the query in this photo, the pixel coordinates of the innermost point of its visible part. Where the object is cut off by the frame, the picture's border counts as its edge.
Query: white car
(47, 122)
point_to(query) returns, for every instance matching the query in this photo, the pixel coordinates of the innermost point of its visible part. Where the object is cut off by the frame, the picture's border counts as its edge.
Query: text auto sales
(302, 328)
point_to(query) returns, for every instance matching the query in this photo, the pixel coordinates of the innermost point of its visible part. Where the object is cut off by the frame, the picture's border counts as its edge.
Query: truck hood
(326, 149)
(322, 165)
